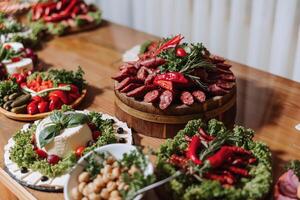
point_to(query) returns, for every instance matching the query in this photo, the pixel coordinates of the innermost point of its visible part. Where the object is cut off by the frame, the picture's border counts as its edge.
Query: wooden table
(266, 103)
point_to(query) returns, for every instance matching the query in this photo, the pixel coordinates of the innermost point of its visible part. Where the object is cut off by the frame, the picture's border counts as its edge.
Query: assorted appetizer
(14, 58)
(288, 185)
(169, 72)
(215, 163)
(106, 177)
(13, 31)
(41, 92)
(41, 153)
(63, 16)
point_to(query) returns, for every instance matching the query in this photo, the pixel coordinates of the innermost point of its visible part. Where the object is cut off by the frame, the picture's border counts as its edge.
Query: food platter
(34, 179)
(28, 117)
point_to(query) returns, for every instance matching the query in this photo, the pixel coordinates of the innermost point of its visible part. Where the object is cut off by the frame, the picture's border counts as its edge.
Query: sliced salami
(166, 99)
(142, 74)
(131, 70)
(130, 87)
(153, 62)
(152, 96)
(119, 77)
(140, 91)
(150, 78)
(223, 66)
(199, 96)
(187, 98)
(126, 82)
(227, 77)
(216, 90)
(217, 59)
(226, 85)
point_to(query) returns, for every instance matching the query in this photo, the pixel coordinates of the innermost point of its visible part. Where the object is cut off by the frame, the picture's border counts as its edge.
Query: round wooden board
(27, 117)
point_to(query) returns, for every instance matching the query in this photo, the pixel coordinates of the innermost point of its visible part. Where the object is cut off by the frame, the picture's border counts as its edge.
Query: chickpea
(84, 198)
(84, 177)
(98, 184)
(115, 164)
(126, 187)
(115, 198)
(107, 169)
(121, 186)
(110, 160)
(85, 191)
(94, 196)
(114, 193)
(116, 172)
(133, 169)
(76, 194)
(111, 186)
(81, 186)
(104, 194)
(105, 179)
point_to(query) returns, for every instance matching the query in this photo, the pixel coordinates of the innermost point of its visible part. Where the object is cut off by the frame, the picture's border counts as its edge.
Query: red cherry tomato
(20, 78)
(53, 159)
(7, 47)
(43, 106)
(32, 108)
(55, 103)
(96, 134)
(41, 153)
(180, 52)
(37, 99)
(61, 95)
(92, 126)
(79, 151)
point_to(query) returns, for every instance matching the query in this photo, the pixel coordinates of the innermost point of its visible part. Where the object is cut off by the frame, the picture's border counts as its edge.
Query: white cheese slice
(132, 54)
(24, 65)
(69, 139)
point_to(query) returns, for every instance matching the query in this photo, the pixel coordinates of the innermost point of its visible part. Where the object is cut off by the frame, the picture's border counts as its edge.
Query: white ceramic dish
(117, 150)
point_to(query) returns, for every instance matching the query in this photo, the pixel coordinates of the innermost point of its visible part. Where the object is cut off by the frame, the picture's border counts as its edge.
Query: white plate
(117, 150)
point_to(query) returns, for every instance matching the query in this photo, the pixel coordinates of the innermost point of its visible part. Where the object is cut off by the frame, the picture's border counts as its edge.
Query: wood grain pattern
(269, 104)
(28, 117)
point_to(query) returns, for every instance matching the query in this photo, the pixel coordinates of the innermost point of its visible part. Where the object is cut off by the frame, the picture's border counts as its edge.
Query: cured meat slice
(140, 91)
(150, 78)
(142, 74)
(227, 77)
(216, 90)
(126, 82)
(217, 59)
(187, 98)
(166, 99)
(152, 96)
(223, 66)
(225, 85)
(130, 87)
(153, 62)
(119, 77)
(199, 96)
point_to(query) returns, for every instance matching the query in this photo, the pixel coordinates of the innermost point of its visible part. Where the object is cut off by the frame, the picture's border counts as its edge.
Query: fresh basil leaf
(56, 117)
(76, 119)
(48, 134)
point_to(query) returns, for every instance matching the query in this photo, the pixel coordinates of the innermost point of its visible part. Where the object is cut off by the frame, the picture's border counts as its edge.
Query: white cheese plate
(33, 179)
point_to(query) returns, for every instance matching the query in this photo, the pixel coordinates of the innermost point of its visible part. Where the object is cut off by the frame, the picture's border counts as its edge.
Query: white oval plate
(117, 150)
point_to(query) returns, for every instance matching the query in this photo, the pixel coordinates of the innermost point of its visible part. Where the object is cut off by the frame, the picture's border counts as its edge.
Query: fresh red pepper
(32, 108)
(238, 171)
(224, 153)
(20, 78)
(170, 43)
(61, 95)
(53, 159)
(180, 52)
(178, 161)
(175, 77)
(168, 85)
(41, 153)
(79, 151)
(205, 135)
(55, 103)
(193, 148)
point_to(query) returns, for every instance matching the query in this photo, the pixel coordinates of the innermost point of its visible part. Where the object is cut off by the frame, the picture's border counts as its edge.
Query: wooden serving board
(149, 120)
(28, 117)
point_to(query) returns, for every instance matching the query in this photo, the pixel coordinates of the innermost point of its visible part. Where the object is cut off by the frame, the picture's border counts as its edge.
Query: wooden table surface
(266, 103)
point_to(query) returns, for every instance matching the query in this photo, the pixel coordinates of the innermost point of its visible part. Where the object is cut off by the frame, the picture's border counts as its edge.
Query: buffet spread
(165, 88)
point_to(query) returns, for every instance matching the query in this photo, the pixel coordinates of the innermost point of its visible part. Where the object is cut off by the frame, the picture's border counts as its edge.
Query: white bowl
(117, 150)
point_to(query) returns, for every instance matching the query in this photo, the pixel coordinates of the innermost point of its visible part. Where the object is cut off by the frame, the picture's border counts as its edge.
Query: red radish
(41, 153)
(53, 159)
(96, 134)
(32, 108)
(180, 52)
(43, 106)
(79, 151)
(55, 103)
(37, 99)
(92, 126)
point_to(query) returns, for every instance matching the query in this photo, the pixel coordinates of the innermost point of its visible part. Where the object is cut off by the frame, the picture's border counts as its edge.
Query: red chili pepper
(205, 135)
(224, 178)
(168, 85)
(175, 77)
(70, 7)
(238, 171)
(192, 150)
(61, 95)
(170, 43)
(178, 161)
(252, 160)
(180, 52)
(224, 153)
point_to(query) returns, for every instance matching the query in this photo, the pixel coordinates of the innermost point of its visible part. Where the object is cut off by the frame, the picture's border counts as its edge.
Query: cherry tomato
(96, 134)
(55, 103)
(43, 106)
(180, 52)
(79, 151)
(20, 78)
(92, 126)
(7, 47)
(61, 95)
(53, 159)
(41, 153)
(32, 108)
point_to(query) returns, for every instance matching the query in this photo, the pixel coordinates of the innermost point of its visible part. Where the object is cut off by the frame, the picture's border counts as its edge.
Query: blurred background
(264, 34)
